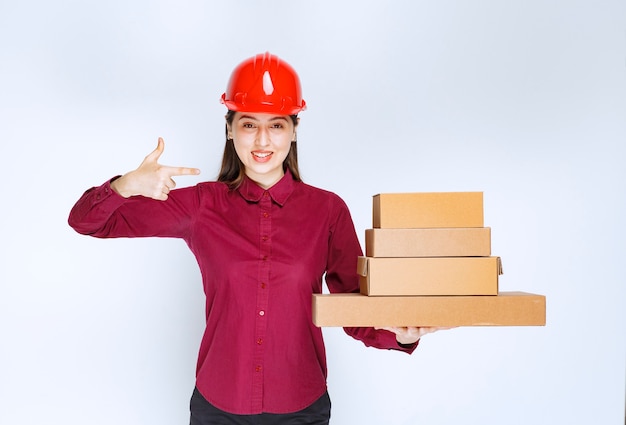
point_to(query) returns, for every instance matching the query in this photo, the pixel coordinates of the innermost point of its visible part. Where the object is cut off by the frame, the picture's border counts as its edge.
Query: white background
(524, 100)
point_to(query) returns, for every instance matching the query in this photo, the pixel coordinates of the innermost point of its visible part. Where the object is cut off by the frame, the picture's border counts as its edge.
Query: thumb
(156, 154)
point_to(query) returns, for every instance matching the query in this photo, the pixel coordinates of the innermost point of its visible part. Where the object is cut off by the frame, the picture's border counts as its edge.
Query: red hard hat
(264, 83)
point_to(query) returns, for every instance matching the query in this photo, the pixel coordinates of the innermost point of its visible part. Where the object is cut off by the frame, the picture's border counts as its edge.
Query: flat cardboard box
(428, 210)
(439, 242)
(429, 275)
(504, 309)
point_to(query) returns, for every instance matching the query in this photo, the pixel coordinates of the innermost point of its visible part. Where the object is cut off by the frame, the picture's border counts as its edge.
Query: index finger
(181, 171)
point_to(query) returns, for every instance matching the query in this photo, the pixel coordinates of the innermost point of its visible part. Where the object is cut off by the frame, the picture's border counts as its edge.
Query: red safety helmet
(264, 83)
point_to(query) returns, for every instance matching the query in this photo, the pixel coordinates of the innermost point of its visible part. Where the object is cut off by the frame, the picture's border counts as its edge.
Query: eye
(247, 125)
(278, 125)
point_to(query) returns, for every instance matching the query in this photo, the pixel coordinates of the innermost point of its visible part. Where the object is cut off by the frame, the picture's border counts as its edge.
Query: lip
(262, 156)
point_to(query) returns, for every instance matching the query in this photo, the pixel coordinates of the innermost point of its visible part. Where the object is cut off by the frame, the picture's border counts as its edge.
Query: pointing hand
(151, 179)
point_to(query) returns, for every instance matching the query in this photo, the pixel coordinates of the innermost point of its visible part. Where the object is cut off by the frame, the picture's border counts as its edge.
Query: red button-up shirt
(262, 253)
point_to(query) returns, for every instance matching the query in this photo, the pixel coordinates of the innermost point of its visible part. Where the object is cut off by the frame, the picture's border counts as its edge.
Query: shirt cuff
(388, 339)
(106, 193)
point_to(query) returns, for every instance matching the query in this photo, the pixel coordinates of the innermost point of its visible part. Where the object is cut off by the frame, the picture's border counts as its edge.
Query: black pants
(204, 413)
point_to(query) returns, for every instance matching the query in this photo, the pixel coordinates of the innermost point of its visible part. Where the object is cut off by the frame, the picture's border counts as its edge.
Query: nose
(263, 136)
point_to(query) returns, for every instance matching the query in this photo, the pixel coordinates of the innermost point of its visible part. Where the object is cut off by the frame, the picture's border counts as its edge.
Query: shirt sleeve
(101, 212)
(341, 277)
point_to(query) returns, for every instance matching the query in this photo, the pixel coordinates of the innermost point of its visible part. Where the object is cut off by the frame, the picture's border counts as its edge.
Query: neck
(264, 180)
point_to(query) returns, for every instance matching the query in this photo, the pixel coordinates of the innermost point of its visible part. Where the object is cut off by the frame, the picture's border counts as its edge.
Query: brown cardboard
(439, 242)
(429, 275)
(504, 309)
(428, 210)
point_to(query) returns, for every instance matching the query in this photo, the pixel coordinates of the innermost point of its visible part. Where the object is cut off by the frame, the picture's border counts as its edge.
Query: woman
(263, 240)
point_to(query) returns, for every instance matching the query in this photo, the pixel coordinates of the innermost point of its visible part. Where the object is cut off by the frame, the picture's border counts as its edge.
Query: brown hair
(232, 171)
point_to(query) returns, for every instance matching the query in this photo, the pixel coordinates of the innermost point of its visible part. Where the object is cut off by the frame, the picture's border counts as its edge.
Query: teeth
(261, 155)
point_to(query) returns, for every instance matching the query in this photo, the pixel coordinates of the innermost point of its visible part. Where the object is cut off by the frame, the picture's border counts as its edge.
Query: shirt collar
(279, 193)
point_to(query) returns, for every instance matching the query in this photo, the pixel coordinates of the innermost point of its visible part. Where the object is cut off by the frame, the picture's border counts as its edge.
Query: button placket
(262, 294)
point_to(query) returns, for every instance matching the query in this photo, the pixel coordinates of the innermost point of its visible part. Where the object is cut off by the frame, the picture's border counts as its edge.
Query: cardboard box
(504, 309)
(429, 275)
(428, 210)
(440, 242)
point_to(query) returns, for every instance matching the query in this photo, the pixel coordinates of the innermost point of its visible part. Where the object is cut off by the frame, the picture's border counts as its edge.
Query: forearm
(381, 339)
(93, 210)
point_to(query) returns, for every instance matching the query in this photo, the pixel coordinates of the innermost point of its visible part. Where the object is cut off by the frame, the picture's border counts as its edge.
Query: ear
(295, 128)
(229, 131)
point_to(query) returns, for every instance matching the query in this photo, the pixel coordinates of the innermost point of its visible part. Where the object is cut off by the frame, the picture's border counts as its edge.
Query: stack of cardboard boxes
(428, 262)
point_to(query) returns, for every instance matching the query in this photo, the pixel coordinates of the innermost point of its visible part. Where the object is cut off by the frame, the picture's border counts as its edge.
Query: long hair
(232, 171)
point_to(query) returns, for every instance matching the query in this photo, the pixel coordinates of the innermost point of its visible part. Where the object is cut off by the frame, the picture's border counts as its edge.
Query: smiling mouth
(261, 155)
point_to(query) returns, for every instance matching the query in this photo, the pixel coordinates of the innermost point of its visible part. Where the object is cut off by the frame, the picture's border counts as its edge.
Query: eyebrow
(249, 117)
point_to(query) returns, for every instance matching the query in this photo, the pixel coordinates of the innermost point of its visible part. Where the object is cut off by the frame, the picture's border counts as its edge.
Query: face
(262, 142)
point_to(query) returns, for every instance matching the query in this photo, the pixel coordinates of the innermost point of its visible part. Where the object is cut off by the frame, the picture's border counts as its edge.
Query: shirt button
(262, 313)
(266, 194)
(264, 238)
(265, 215)
(265, 258)
(259, 341)
(257, 369)
(263, 285)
